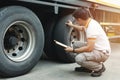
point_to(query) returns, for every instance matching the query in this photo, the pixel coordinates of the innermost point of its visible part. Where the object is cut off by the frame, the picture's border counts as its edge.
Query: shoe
(98, 73)
(82, 69)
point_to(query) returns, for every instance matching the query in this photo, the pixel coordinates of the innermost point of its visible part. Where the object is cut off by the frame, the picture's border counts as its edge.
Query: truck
(29, 28)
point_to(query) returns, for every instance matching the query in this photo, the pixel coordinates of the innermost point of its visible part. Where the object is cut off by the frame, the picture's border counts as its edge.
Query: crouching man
(91, 56)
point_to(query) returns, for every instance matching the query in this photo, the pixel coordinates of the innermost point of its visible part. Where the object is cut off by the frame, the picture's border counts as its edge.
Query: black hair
(81, 13)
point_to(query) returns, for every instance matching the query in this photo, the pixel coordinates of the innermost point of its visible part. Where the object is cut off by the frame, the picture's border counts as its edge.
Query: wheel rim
(76, 35)
(19, 41)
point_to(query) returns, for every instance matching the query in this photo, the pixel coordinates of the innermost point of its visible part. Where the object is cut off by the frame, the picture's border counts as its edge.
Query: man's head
(81, 15)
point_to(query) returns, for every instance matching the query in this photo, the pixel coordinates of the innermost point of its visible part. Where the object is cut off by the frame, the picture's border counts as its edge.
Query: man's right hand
(69, 23)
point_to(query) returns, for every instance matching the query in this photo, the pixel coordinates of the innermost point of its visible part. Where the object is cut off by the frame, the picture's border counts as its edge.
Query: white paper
(61, 44)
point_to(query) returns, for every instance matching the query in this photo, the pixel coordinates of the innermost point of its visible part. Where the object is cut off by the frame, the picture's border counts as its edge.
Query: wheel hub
(11, 39)
(12, 42)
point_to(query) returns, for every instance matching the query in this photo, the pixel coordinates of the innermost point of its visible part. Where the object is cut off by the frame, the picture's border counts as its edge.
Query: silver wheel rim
(18, 41)
(76, 36)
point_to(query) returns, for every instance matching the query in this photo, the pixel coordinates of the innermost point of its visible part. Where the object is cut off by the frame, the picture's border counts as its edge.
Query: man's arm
(70, 24)
(88, 48)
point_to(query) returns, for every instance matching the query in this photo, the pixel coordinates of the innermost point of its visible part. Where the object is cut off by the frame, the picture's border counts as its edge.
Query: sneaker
(98, 73)
(82, 69)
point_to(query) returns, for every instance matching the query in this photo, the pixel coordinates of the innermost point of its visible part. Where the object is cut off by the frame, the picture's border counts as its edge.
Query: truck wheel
(21, 41)
(65, 35)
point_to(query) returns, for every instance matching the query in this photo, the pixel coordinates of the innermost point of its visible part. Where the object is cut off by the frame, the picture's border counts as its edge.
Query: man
(92, 56)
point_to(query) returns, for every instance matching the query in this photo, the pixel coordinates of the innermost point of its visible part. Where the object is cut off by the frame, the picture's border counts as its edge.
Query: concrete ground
(48, 70)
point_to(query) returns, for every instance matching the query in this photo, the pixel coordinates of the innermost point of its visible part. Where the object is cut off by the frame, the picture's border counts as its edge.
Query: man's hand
(69, 23)
(77, 27)
(69, 49)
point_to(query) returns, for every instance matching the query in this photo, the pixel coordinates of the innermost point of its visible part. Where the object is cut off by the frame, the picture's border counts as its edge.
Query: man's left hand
(69, 49)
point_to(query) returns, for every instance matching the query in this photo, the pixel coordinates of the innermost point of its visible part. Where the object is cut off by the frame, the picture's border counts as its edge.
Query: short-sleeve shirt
(94, 30)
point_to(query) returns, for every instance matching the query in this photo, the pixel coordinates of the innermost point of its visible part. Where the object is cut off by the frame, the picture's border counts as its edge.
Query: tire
(48, 29)
(64, 35)
(21, 41)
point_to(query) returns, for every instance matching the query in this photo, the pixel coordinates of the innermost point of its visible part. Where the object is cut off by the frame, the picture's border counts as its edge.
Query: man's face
(79, 21)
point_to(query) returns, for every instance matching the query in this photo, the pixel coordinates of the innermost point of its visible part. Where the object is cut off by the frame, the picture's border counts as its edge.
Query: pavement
(49, 70)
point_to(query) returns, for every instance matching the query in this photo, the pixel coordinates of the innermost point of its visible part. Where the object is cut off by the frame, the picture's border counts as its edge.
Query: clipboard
(61, 44)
